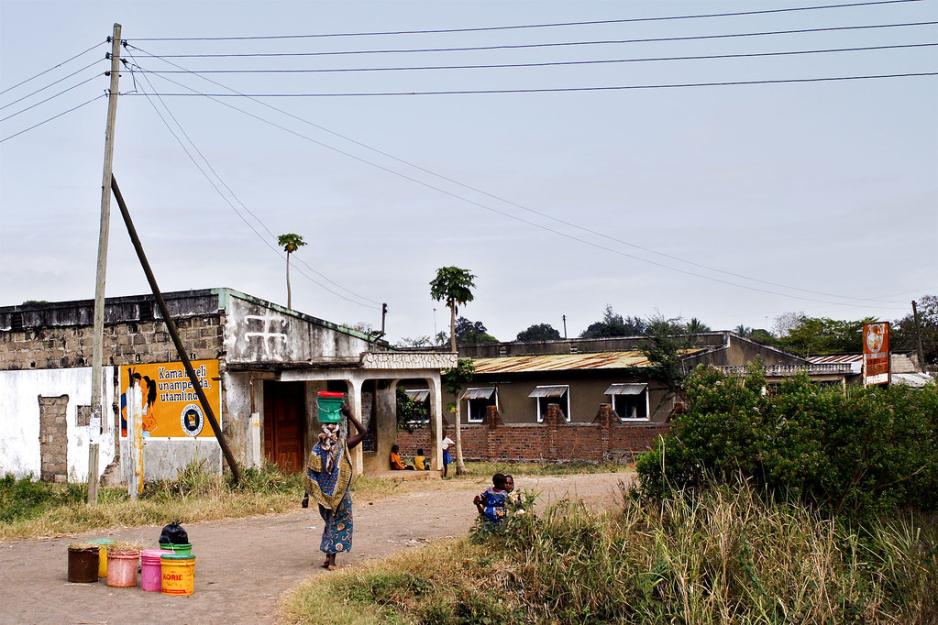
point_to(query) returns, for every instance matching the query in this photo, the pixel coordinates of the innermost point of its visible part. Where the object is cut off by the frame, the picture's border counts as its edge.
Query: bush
(859, 453)
(23, 498)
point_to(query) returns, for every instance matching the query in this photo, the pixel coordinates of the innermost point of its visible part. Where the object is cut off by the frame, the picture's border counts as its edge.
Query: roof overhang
(549, 391)
(626, 389)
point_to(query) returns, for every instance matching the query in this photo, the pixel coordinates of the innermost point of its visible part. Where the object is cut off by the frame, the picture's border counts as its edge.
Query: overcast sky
(829, 187)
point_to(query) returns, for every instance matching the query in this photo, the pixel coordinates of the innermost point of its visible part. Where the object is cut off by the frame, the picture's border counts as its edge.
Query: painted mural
(170, 405)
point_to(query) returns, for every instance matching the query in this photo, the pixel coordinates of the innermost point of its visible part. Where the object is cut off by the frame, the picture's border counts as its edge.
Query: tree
(615, 325)
(415, 342)
(814, 336)
(453, 286)
(761, 335)
(905, 337)
(665, 350)
(743, 331)
(696, 326)
(472, 333)
(290, 242)
(539, 332)
(453, 381)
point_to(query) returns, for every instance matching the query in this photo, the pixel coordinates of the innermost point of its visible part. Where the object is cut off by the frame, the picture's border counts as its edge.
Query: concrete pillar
(355, 403)
(436, 423)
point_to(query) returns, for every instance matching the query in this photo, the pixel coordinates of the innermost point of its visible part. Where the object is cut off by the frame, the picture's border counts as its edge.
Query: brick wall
(553, 440)
(124, 343)
(53, 438)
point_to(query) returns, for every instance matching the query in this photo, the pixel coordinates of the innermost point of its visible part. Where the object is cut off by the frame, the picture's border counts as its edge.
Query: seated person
(395, 460)
(420, 461)
(491, 503)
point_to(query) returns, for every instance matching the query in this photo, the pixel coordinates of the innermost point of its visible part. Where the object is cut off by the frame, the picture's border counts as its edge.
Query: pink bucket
(122, 568)
(151, 569)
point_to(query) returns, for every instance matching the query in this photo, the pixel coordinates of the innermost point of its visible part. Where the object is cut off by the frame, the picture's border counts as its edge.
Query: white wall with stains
(19, 419)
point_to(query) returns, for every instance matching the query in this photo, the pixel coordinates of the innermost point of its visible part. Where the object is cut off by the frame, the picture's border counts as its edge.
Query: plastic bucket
(82, 564)
(182, 548)
(122, 568)
(151, 575)
(178, 573)
(102, 553)
(330, 405)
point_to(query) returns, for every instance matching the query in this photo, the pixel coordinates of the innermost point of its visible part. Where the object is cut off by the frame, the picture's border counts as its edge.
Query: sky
(816, 197)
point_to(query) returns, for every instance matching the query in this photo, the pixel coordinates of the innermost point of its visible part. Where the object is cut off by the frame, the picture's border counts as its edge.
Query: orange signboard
(170, 405)
(876, 365)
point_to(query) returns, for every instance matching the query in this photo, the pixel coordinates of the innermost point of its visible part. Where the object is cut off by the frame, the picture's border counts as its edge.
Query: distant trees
(290, 242)
(904, 335)
(812, 336)
(614, 325)
(539, 332)
(452, 286)
(472, 333)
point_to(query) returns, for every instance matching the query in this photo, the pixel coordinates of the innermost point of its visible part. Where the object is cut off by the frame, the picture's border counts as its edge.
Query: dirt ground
(244, 565)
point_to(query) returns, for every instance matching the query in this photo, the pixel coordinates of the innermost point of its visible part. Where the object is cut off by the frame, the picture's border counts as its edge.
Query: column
(355, 403)
(436, 423)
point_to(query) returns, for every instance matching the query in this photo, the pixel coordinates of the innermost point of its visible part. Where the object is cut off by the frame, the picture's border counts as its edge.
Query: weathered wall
(608, 439)
(53, 438)
(20, 418)
(587, 392)
(258, 331)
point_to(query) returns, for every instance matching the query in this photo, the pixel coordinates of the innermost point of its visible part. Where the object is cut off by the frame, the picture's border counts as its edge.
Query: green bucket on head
(330, 406)
(180, 549)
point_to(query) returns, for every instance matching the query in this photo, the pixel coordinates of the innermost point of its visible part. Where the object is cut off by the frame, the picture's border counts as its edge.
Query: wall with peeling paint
(19, 419)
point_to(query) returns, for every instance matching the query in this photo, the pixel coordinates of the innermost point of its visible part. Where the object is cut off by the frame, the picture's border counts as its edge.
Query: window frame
(469, 418)
(537, 402)
(622, 419)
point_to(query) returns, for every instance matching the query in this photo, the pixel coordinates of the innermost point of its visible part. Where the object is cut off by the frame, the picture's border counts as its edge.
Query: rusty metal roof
(836, 359)
(566, 362)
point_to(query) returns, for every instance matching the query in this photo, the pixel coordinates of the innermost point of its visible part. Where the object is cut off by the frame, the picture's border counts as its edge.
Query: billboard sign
(876, 364)
(171, 409)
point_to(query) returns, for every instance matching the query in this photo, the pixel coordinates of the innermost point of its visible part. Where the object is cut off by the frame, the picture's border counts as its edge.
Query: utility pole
(565, 327)
(97, 343)
(918, 336)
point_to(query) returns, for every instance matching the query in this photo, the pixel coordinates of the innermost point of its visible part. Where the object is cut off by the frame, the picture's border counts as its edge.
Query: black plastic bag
(173, 534)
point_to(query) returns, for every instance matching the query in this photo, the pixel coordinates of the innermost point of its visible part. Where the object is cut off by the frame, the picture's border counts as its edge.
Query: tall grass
(723, 557)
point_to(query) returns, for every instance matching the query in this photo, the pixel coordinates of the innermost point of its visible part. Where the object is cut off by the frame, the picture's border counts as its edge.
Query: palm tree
(696, 326)
(453, 286)
(290, 242)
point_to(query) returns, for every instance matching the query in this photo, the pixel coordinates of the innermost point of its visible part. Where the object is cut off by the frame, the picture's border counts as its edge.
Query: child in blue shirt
(491, 502)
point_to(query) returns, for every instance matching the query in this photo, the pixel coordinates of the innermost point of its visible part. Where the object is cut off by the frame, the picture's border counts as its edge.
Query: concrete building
(260, 362)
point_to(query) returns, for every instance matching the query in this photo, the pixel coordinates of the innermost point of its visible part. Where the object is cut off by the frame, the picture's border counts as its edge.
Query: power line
(540, 64)
(505, 213)
(45, 121)
(553, 44)
(724, 83)
(51, 84)
(235, 196)
(46, 71)
(503, 199)
(53, 96)
(531, 26)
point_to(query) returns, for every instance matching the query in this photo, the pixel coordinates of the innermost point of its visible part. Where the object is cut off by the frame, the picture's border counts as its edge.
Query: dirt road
(244, 565)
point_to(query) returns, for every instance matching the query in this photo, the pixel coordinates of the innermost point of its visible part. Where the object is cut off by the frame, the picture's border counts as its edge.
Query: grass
(725, 557)
(31, 509)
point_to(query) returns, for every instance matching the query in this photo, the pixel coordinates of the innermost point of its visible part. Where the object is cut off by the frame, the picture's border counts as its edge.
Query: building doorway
(285, 424)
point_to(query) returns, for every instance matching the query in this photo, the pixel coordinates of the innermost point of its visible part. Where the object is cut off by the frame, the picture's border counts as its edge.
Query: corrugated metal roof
(548, 391)
(564, 362)
(625, 389)
(418, 394)
(836, 359)
(479, 393)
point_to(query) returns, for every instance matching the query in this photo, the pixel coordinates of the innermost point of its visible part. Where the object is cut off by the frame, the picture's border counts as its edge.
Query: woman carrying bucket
(329, 475)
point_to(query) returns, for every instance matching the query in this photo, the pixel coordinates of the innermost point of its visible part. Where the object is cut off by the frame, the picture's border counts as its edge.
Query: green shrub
(858, 453)
(23, 498)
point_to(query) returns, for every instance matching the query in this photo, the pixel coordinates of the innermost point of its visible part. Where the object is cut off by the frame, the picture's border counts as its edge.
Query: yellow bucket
(103, 545)
(178, 574)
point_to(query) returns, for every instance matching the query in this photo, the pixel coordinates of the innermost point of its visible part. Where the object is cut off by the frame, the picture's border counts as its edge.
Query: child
(447, 443)
(420, 461)
(395, 459)
(491, 503)
(514, 503)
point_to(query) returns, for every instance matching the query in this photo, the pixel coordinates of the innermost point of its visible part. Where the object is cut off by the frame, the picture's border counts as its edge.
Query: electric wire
(532, 26)
(516, 204)
(45, 121)
(51, 97)
(46, 71)
(722, 83)
(231, 205)
(51, 84)
(519, 46)
(540, 64)
(509, 215)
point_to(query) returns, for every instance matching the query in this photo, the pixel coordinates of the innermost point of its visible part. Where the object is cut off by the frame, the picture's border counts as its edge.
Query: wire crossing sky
(819, 190)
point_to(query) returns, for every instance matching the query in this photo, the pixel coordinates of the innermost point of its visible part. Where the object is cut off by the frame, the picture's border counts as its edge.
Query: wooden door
(285, 424)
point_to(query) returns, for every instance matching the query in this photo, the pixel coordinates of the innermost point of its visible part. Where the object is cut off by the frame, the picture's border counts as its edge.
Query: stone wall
(554, 440)
(53, 438)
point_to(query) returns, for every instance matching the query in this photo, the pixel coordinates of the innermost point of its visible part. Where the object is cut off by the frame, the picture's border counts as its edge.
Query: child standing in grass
(491, 503)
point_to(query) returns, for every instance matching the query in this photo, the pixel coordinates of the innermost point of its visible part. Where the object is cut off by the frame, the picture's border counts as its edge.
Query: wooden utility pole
(97, 343)
(918, 336)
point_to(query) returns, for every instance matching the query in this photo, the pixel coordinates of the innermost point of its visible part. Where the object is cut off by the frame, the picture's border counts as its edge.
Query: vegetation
(859, 453)
(613, 324)
(410, 413)
(724, 557)
(905, 337)
(453, 381)
(290, 242)
(539, 332)
(472, 333)
(453, 286)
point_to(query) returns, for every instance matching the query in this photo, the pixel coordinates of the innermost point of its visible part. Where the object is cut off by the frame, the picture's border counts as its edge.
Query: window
(545, 395)
(630, 401)
(478, 401)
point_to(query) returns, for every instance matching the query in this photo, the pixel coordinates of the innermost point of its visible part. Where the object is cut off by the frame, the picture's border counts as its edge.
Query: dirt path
(244, 565)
